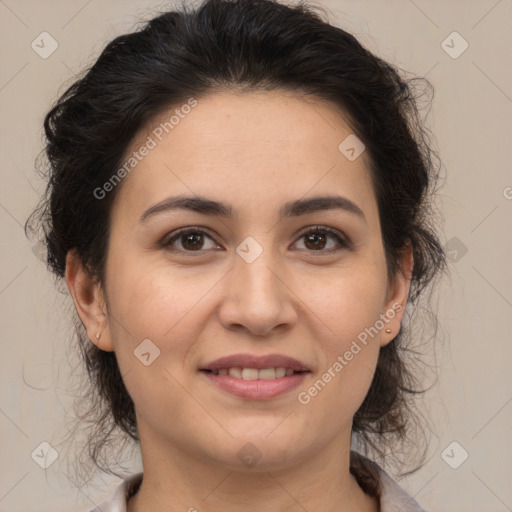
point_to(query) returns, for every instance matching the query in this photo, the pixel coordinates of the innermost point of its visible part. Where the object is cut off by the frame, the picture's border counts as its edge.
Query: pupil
(315, 238)
(192, 241)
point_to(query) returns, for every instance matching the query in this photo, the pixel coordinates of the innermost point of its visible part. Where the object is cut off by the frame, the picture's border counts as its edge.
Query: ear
(89, 302)
(398, 293)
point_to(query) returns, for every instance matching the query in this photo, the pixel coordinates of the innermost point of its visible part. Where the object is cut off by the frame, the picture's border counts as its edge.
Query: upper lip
(258, 362)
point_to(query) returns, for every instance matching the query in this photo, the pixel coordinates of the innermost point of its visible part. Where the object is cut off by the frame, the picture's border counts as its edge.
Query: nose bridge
(256, 296)
(256, 271)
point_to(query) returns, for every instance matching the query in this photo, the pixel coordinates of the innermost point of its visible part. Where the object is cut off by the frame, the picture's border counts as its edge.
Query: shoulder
(393, 498)
(118, 501)
(377, 483)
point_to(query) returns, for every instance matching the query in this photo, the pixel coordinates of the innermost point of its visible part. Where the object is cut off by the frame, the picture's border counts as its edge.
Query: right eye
(188, 240)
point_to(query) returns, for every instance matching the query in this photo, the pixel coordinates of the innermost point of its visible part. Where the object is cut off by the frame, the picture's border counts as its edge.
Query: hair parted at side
(242, 45)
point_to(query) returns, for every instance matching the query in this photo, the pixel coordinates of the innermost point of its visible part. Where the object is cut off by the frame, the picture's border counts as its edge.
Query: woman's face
(264, 273)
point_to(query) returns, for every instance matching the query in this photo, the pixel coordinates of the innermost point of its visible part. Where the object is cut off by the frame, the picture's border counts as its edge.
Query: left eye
(317, 239)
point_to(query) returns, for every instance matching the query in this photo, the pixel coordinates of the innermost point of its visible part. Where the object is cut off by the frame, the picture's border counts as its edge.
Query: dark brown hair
(243, 45)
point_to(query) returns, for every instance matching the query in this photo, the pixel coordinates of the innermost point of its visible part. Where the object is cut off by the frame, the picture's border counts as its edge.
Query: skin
(254, 151)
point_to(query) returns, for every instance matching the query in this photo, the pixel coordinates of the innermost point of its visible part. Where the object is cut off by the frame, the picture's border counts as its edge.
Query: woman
(239, 203)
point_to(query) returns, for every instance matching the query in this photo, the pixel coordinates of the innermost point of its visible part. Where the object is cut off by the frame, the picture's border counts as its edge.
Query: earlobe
(89, 301)
(397, 297)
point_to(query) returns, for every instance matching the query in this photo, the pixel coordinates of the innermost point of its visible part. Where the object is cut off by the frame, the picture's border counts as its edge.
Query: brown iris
(315, 240)
(192, 241)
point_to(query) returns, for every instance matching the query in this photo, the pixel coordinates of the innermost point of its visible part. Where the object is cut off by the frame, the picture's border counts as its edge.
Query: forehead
(248, 148)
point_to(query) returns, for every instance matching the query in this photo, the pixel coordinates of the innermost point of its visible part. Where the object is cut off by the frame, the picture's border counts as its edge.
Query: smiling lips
(256, 377)
(254, 373)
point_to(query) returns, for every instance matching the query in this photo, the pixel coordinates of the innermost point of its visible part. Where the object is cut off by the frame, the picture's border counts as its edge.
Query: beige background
(472, 403)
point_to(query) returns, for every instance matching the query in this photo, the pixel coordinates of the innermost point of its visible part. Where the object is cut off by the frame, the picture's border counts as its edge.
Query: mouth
(256, 377)
(255, 373)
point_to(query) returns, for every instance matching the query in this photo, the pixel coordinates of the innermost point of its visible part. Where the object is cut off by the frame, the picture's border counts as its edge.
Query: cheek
(153, 300)
(347, 301)
(151, 304)
(349, 305)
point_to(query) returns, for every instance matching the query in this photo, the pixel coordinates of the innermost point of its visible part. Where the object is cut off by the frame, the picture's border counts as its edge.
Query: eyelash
(343, 242)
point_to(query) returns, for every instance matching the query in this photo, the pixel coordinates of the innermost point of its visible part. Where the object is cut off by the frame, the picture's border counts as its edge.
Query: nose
(258, 298)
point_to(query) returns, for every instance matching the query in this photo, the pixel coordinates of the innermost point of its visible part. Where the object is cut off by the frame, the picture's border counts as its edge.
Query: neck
(176, 480)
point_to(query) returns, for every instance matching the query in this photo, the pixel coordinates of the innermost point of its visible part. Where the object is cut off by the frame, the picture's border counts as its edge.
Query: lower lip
(256, 389)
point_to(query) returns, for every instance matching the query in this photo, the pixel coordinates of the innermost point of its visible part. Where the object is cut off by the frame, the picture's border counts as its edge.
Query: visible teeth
(266, 374)
(250, 373)
(235, 372)
(280, 372)
(254, 373)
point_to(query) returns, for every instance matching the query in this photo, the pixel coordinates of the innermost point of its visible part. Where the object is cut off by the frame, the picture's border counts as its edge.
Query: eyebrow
(296, 208)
